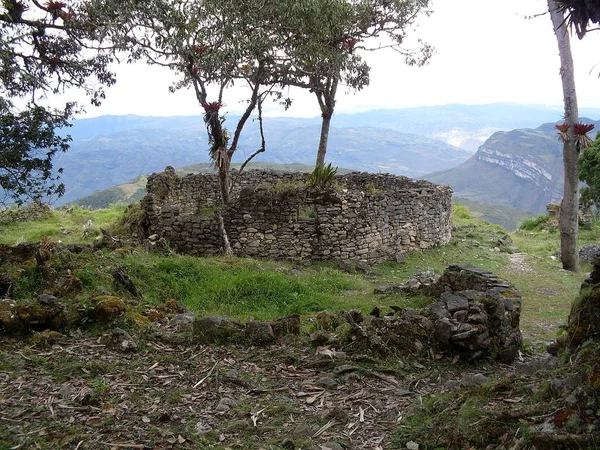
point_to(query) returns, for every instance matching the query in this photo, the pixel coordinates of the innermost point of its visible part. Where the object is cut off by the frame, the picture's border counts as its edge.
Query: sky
(484, 54)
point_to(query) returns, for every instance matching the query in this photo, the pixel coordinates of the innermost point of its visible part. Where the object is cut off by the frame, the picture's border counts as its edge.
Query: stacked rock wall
(277, 215)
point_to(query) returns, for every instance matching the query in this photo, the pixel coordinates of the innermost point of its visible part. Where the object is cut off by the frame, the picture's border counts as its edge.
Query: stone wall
(277, 215)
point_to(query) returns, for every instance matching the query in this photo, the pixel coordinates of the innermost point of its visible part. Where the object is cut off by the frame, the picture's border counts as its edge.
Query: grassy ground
(242, 287)
(65, 225)
(177, 394)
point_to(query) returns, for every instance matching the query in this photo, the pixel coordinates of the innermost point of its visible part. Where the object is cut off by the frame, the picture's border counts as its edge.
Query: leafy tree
(44, 49)
(330, 38)
(589, 173)
(210, 45)
(28, 142)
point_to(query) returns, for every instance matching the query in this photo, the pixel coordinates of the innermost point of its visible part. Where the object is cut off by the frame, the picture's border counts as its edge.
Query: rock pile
(477, 314)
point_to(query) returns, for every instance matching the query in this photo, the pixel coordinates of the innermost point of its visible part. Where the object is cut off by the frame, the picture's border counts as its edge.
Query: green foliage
(237, 287)
(508, 217)
(28, 142)
(322, 176)
(44, 48)
(65, 225)
(534, 224)
(589, 173)
(461, 212)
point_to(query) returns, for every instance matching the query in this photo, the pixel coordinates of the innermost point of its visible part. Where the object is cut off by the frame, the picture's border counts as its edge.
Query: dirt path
(518, 263)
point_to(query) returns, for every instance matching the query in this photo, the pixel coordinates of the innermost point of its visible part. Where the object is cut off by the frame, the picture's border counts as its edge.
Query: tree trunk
(325, 124)
(226, 245)
(327, 104)
(568, 220)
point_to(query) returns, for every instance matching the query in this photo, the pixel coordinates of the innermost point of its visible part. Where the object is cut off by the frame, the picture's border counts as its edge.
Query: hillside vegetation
(242, 287)
(163, 389)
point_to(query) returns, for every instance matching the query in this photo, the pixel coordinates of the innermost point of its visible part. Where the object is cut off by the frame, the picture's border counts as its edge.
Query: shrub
(461, 211)
(322, 176)
(533, 224)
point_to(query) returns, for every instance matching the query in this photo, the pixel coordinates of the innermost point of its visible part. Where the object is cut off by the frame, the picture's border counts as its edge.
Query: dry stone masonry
(277, 215)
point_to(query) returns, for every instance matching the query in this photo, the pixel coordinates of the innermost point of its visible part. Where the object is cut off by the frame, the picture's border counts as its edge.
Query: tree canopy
(45, 49)
(330, 38)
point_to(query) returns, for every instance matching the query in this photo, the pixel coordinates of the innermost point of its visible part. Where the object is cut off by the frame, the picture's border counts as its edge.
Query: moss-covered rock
(108, 308)
(584, 318)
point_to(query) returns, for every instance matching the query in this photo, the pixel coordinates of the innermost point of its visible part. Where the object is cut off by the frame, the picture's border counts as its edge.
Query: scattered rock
(103, 291)
(202, 428)
(124, 280)
(217, 330)
(303, 430)
(287, 444)
(119, 340)
(32, 315)
(46, 299)
(184, 321)
(325, 321)
(225, 404)
(331, 445)
(338, 414)
(400, 259)
(363, 266)
(46, 338)
(319, 338)
(356, 315)
(326, 382)
(469, 380)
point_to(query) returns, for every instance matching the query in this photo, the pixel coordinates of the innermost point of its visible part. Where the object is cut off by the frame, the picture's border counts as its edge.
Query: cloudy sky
(484, 54)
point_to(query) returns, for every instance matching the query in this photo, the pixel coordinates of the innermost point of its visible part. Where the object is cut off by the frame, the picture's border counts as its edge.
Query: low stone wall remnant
(277, 215)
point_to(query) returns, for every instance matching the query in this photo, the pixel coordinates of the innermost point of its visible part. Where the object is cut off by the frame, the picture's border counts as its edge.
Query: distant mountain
(465, 126)
(134, 190)
(108, 151)
(522, 169)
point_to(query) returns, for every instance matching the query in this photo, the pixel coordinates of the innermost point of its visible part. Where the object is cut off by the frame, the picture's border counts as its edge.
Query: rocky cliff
(519, 168)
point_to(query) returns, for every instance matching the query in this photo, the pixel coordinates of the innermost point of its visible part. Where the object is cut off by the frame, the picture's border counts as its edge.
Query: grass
(64, 225)
(242, 287)
(263, 289)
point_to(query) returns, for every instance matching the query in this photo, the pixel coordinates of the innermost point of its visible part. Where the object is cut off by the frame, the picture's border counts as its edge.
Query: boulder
(217, 330)
(259, 333)
(119, 340)
(287, 325)
(108, 308)
(478, 314)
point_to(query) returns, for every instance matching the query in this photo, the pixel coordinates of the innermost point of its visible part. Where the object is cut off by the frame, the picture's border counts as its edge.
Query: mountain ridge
(520, 168)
